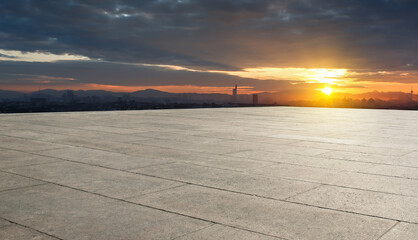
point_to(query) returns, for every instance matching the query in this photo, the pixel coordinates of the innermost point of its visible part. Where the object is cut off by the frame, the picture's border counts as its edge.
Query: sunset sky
(206, 46)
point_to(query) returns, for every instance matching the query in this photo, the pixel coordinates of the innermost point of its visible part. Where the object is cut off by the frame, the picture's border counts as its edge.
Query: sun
(327, 90)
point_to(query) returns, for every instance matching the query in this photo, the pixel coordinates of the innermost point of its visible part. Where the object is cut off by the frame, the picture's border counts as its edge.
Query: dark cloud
(218, 34)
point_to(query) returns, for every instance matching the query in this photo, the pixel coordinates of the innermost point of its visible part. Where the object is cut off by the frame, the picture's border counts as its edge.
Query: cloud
(217, 34)
(7, 55)
(80, 73)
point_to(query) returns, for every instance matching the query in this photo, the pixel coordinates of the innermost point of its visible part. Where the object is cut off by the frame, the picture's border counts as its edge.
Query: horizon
(295, 47)
(270, 98)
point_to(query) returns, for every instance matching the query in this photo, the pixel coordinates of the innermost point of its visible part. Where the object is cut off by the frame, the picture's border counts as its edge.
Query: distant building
(68, 96)
(38, 99)
(255, 99)
(234, 94)
(126, 97)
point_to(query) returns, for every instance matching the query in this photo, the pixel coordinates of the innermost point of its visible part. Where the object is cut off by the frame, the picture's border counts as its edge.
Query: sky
(207, 46)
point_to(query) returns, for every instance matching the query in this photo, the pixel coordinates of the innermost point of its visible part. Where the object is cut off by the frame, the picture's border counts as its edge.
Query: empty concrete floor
(238, 173)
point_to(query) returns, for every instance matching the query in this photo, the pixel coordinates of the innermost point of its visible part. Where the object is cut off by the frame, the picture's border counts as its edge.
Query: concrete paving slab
(32, 135)
(384, 205)
(11, 181)
(280, 219)
(106, 145)
(223, 232)
(224, 162)
(410, 159)
(88, 137)
(108, 129)
(12, 158)
(402, 231)
(222, 147)
(26, 145)
(362, 157)
(386, 184)
(281, 157)
(211, 160)
(279, 148)
(16, 232)
(178, 136)
(247, 137)
(71, 214)
(107, 182)
(321, 139)
(104, 158)
(229, 180)
(395, 171)
(247, 163)
(47, 128)
(357, 148)
(66, 135)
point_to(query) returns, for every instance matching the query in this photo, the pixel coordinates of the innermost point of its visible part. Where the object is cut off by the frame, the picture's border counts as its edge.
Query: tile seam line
(211, 225)
(224, 190)
(341, 170)
(155, 208)
(157, 191)
(36, 230)
(384, 175)
(203, 165)
(394, 225)
(348, 171)
(319, 156)
(351, 145)
(232, 139)
(351, 212)
(35, 164)
(18, 188)
(170, 179)
(65, 134)
(376, 163)
(303, 192)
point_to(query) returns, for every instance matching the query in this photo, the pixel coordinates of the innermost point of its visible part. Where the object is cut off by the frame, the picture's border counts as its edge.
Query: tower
(234, 94)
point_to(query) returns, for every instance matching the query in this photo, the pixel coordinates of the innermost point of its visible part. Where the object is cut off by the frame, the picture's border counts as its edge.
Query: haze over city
(296, 48)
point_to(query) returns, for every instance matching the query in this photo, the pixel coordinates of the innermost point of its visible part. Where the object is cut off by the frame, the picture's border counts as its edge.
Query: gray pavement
(237, 173)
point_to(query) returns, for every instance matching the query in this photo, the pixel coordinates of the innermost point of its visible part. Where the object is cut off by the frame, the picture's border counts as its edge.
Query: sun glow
(314, 75)
(327, 90)
(323, 75)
